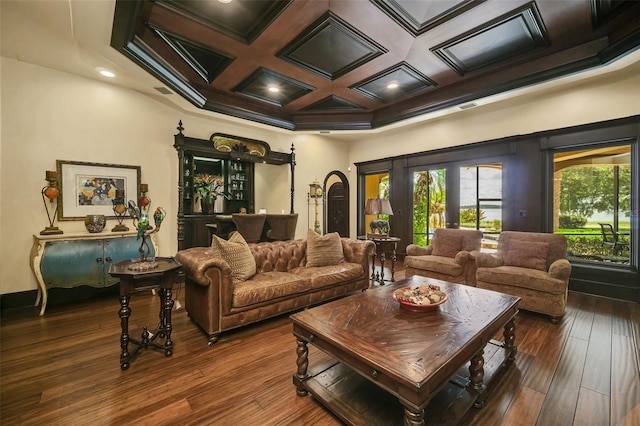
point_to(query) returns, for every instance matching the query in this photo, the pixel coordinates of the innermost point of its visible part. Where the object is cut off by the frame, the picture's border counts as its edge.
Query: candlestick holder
(51, 193)
(120, 210)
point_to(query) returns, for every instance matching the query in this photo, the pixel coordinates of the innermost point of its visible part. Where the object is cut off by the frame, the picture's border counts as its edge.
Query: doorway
(337, 203)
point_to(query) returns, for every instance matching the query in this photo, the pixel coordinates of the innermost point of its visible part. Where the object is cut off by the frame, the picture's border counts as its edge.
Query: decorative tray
(422, 298)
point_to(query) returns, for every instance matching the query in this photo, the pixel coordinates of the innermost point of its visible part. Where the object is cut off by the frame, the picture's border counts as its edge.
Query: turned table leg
(302, 361)
(413, 417)
(393, 263)
(125, 313)
(510, 340)
(167, 305)
(476, 375)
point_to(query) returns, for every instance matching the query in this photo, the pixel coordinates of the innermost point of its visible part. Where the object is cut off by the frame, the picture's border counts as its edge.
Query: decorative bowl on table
(94, 223)
(422, 298)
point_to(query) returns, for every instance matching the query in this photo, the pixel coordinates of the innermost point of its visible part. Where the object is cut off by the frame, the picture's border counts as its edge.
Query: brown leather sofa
(282, 283)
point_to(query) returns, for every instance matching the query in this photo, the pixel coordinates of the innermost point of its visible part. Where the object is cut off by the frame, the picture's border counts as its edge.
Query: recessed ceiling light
(107, 73)
(273, 89)
(469, 105)
(392, 86)
(225, 1)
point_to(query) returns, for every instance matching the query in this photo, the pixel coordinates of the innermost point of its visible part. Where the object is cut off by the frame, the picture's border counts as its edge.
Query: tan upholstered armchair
(450, 257)
(530, 265)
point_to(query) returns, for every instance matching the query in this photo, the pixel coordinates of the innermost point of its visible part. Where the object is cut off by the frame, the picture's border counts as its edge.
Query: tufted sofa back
(279, 256)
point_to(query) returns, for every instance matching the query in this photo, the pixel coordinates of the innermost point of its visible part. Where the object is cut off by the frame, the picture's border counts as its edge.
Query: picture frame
(89, 188)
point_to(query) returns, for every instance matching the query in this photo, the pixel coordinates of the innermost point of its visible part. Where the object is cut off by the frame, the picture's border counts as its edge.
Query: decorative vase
(94, 223)
(207, 205)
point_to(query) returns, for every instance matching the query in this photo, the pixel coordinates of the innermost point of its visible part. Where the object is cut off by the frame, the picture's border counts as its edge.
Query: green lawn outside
(587, 242)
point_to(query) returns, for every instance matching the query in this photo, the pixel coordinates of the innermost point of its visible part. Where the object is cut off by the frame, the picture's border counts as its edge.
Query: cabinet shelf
(226, 156)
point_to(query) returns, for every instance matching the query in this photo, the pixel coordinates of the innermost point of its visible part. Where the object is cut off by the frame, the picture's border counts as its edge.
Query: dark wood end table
(162, 276)
(384, 244)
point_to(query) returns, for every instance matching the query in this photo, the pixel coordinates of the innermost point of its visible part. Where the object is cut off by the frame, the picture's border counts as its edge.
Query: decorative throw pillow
(324, 250)
(237, 254)
(527, 254)
(448, 246)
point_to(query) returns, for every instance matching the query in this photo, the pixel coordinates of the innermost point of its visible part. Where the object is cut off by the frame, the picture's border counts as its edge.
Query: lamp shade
(376, 206)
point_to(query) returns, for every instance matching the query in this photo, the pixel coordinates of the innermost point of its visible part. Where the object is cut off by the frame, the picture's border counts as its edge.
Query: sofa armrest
(358, 251)
(196, 262)
(489, 260)
(463, 257)
(415, 250)
(560, 269)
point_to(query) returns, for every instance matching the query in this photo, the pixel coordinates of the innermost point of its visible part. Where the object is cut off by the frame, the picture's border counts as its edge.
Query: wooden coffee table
(387, 364)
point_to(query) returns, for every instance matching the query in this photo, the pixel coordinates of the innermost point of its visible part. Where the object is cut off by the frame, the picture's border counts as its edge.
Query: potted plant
(208, 188)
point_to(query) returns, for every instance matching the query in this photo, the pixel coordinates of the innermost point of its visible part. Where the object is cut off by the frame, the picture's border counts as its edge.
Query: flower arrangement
(208, 187)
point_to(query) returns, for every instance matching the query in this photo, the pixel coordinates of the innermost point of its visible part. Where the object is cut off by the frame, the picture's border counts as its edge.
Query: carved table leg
(373, 266)
(125, 313)
(393, 263)
(302, 361)
(412, 417)
(168, 305)
(382, 260)
(163, 321)
(510, 340)
(476, 375)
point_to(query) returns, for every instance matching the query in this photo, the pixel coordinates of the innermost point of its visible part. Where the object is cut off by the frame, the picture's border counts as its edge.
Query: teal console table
(72, 260)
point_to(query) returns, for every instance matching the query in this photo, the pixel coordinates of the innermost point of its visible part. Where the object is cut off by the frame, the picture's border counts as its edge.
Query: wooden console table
(163, 276)
(75, 259)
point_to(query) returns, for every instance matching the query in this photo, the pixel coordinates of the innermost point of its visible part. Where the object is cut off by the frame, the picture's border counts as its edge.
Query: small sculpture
(379, 226)
(140, 216)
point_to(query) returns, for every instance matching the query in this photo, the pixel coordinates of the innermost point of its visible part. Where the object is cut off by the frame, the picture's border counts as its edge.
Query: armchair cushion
(439, 264)
(527, 254)
(237, 254)
(324, 250)
(450, 257)
(415, 250)
(447, 247)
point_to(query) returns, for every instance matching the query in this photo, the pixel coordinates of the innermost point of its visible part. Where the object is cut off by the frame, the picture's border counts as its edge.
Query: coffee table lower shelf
(357, 401)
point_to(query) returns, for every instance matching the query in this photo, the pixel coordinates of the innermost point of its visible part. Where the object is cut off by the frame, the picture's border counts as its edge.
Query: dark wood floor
(63, 369)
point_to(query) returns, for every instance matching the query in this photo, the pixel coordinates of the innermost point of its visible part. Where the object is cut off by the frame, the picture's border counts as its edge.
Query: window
(592, 203)
(481, 200)
(429, 204)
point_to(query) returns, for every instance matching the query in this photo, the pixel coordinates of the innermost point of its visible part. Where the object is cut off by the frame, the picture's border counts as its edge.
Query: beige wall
(48, 115)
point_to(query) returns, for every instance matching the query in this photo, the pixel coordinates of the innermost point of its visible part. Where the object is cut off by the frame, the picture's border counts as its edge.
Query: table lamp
(375, 207)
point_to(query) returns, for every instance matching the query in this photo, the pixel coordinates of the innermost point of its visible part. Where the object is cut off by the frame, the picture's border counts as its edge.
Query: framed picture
(90, 188)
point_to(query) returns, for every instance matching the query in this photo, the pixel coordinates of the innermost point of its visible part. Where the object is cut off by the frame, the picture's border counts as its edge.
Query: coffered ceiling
(363, 64)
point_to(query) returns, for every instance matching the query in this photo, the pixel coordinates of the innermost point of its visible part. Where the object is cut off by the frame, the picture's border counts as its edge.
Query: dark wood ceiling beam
(577, 37)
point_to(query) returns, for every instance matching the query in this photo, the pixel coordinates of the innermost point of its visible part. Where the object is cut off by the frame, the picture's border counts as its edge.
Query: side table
(384, 245)
(163, 276)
